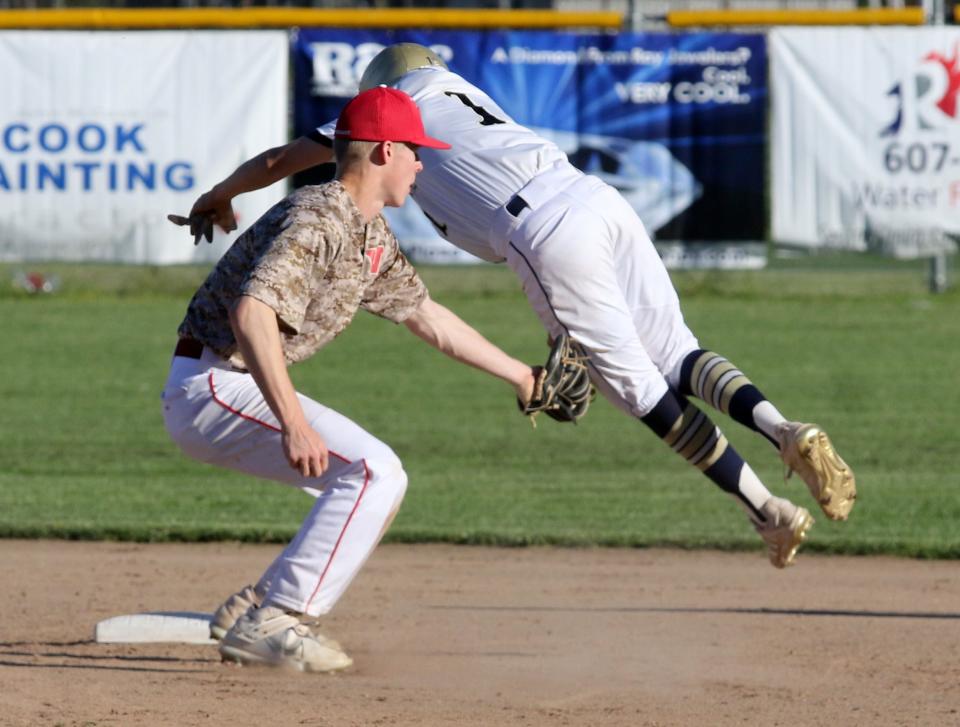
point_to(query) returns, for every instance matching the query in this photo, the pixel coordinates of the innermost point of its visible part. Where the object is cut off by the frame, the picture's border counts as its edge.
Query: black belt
(517, 205)
(189, 348)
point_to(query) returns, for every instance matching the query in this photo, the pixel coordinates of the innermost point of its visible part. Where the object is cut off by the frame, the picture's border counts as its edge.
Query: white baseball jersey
(460, 189)
(585, 260)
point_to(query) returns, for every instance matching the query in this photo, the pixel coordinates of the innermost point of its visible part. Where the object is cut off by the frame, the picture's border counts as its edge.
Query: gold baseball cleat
(783, 529)
(806, 449)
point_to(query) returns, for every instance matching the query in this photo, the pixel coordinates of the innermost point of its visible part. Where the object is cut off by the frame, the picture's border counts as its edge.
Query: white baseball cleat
(272, 636)
(230, 610)
(806, 449)
(783, 529)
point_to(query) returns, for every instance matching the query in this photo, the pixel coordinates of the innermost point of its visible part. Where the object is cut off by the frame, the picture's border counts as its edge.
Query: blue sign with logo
(675, 121)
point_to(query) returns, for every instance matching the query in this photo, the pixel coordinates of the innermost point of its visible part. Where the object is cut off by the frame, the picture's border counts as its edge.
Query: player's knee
(387, 473)
(388, 484)
(678, 367)
(400, 483)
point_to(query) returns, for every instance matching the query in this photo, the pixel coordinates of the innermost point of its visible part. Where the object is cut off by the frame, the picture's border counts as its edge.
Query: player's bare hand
(216, 208)
(524, 387)
(305, 450)
(211, 208)
(200, 226)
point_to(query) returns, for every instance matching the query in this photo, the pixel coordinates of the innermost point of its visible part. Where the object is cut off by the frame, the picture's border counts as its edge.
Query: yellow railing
(863, 16)
(148, 18)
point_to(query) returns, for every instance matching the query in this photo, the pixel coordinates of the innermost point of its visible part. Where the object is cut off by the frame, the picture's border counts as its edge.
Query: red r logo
(374, 253)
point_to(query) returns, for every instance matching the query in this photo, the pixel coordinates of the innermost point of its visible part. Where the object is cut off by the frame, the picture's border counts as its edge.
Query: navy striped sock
(692, 435)
(713, 379)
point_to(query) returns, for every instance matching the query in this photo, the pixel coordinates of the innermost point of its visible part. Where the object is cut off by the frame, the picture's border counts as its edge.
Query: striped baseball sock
(713, 379)
(691, 434)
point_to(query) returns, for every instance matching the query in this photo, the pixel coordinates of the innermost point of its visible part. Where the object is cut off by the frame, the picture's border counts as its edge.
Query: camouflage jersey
(314, 261)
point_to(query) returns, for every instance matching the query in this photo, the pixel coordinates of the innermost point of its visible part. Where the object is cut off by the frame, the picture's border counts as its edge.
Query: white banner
(104, 133)
(865, 138)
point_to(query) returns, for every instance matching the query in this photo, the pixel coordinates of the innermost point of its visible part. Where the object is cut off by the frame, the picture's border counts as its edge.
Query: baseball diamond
(446, 635)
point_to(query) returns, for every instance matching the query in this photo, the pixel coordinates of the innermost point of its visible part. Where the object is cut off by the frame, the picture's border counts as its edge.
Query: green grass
(866, 352)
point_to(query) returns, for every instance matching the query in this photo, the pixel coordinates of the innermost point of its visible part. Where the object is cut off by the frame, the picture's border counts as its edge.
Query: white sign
(865, 138)
(102, 134)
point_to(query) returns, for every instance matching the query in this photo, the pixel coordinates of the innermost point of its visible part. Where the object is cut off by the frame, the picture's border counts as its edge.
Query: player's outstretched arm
(445, 331)
(215, 207)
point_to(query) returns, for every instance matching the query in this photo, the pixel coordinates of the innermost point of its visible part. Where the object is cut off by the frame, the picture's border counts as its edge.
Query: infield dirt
(446, 635)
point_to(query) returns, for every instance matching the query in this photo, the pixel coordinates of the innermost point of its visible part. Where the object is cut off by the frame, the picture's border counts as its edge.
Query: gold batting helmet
(395, 60)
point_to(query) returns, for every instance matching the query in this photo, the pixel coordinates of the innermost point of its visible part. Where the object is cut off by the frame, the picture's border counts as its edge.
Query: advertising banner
(865, 138)
(103, 133)
(675, 121)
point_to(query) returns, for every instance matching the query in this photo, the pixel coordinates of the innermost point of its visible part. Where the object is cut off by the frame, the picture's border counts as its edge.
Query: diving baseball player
(589, 270)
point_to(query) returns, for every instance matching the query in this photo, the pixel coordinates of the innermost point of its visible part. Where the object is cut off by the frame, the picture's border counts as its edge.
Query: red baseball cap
(384, 114)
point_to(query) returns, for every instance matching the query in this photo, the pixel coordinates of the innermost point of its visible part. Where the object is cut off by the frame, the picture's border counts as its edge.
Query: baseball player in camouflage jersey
(589, 269)
(284, 289)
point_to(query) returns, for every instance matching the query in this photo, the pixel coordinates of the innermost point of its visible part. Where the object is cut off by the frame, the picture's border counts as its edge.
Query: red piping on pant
(271, 427)
(366, 481)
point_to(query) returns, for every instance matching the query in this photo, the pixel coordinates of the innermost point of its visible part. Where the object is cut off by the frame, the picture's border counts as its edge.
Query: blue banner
(677, 122)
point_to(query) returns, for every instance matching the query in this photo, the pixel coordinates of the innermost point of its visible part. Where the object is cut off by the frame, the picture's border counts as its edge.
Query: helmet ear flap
(396, 60)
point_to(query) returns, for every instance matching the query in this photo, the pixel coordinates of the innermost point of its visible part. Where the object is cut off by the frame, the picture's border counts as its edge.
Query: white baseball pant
(218, 415)
(589, 268)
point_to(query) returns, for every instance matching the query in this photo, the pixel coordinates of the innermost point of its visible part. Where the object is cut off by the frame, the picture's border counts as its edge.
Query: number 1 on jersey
(486, 118)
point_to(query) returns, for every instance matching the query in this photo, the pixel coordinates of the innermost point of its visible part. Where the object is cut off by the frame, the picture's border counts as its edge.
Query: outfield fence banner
(675, 121)
(104, 133)
(865, 139)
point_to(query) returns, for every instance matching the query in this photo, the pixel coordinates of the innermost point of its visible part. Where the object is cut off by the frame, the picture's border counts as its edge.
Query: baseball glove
(562, 390)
